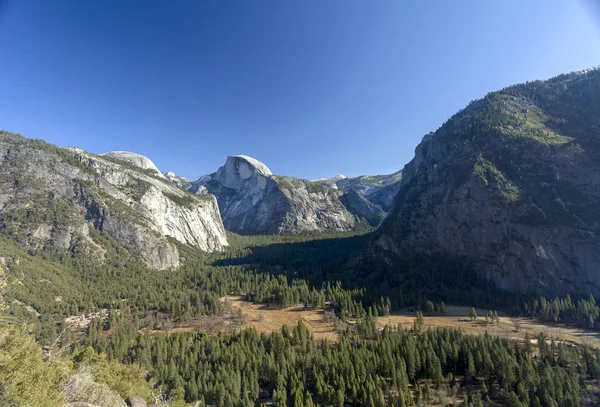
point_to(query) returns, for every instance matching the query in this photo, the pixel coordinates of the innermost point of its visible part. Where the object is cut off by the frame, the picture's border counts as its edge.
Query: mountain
(359, 205)
(135, 159)
(377, 189)
(57, 199)
(331, 181)
(178, 180)
(509, 186)
(254, 201)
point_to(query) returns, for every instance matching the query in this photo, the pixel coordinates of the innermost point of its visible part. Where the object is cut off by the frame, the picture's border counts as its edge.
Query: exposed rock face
(82, 390)
(358, 204)
(384, 196)
(377, 189)
(330, 182)
(254, 201)
(512, 185)
(136, 401)
(240, 169)
(138, 160)
(178, 180)
(53, 197)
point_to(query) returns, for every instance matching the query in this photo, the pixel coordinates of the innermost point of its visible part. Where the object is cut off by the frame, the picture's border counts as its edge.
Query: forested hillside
(366, 367)
(507, 187)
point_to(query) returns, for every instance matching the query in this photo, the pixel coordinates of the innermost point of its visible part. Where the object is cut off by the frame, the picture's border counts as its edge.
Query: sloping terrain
(377, 189)
(51, 198)
(509, 187)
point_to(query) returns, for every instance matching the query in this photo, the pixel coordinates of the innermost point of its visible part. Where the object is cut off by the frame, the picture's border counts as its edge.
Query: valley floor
(508, 327)
(244, 314)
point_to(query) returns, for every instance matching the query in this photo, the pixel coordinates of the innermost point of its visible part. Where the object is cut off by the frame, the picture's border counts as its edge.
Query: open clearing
(266, 319)
(242, 314)
(508, 327)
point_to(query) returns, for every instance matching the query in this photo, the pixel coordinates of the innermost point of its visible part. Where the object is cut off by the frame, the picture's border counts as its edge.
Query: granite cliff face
(178, 180)
(135, 159)
(358, 204)
(254, 201)
(54, 198)
(511, 185)
(377, 189)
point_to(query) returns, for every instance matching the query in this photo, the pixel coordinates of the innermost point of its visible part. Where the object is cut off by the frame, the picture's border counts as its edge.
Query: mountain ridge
(510, 185)
(254, 201)
(51, 197)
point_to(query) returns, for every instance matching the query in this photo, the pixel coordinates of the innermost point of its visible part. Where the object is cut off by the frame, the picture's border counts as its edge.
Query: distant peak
(330, 179)
(135, 159)
(74, 149)
(239, 168)
(259, 166)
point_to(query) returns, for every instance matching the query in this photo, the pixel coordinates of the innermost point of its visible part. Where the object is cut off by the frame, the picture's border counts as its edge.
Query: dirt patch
(209, 324)
(266, 319)
(238, 313)
(507, 327)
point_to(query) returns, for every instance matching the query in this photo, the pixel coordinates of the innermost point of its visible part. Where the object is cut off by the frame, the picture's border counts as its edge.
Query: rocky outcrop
(136, 401)
(377, 189)
(254, 201)
(178, 180)
(138, 160)
(511, 186)
(384, 196)
(358, 204)
(53, 197)
(330, 182)
(82, 390)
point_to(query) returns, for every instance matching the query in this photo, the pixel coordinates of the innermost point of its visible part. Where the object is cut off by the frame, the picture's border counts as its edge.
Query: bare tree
(60, 340)
(516, 324)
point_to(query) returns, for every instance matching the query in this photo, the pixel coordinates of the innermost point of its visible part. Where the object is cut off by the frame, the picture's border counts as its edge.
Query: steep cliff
(511, 186)
(50, 198)
(254, 201)
(359, 205)
(377, 189)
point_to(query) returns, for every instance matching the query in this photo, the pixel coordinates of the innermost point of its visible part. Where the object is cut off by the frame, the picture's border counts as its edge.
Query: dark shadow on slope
(411, 280)
(314, 260)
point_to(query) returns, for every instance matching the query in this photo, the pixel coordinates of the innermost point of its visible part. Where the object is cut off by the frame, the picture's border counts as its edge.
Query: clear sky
(312, 88)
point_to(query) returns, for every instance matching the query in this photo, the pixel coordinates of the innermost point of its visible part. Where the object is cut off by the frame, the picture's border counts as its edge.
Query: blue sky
(311, 88)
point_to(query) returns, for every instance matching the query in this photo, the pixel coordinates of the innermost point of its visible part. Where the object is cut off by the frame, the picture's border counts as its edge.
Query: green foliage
(137, 188)
(583, 313)
(316, 188)
(284, 183)
(127, 165)
(63, 153)
(294, 369)
(26, 378)
(126, 380)
(186, 200)
(35, 378)
(490, 176)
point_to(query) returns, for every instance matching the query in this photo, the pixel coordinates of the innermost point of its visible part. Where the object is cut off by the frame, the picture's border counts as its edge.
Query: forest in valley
(367, 366)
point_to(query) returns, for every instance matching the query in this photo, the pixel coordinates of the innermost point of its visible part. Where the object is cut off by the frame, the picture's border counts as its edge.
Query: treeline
(583, 313)
(61, 284)
(393, 367)
(324, 258)
(274, 270)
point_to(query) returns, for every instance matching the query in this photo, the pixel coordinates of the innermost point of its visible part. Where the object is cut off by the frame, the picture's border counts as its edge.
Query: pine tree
(443, 308)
